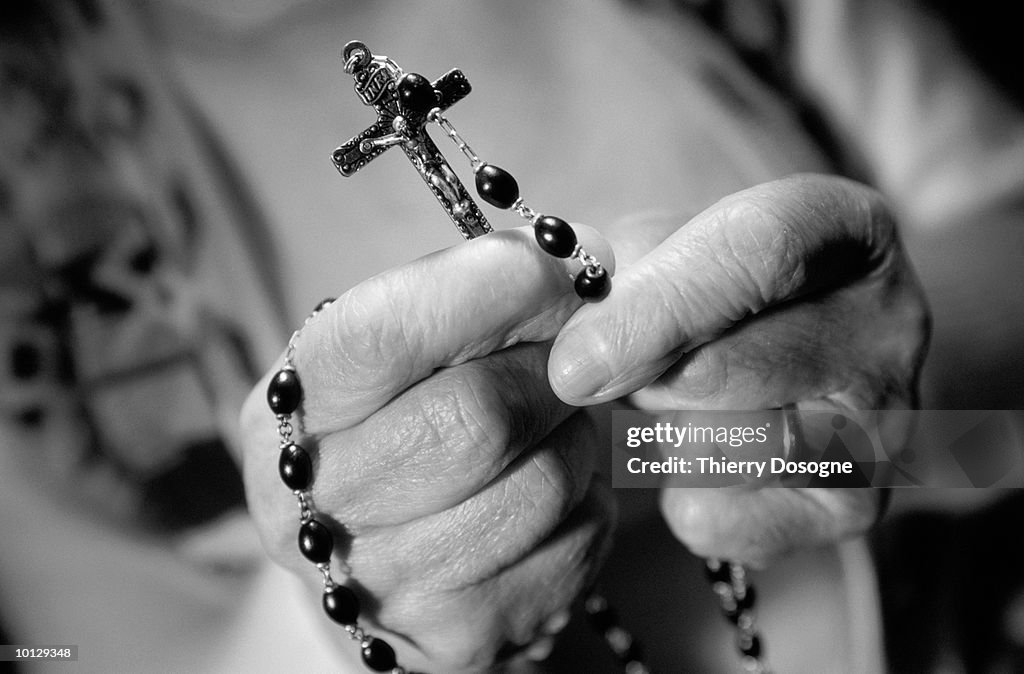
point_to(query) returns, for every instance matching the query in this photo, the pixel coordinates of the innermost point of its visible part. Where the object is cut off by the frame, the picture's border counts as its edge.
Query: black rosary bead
(749, 597)
(378, 655)
(733, 614)
(284, 392)
(740, 606)
(315, 542)
(496, 186)
(416, 95)
(750, 645)
(341, 604)
(555, 236)
(295, 467)
(591, 286)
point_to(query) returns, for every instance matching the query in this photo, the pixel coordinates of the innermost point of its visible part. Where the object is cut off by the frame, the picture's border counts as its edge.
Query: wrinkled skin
(795, 291)
(451, 459)
(459, 483)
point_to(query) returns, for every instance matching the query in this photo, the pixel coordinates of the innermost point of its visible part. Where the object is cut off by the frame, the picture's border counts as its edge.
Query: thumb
(745, 254)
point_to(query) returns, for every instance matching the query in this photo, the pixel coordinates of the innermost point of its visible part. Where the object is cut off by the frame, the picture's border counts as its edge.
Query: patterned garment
(130, 268)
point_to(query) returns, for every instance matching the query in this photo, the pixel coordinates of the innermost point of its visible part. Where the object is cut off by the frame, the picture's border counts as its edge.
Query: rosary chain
(435, 116)
(284, 409)
(589, 262)
(736, 598)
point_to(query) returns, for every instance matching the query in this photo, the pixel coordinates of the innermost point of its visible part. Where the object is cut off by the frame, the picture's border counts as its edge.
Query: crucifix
(404, 104)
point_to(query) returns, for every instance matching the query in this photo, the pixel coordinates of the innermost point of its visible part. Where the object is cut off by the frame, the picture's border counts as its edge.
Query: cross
(403, 103)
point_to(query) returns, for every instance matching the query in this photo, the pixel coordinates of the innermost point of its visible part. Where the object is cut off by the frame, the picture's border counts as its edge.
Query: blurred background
(168, 209)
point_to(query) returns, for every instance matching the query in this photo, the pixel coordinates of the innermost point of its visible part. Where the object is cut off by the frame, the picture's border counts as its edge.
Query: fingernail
(578, 373)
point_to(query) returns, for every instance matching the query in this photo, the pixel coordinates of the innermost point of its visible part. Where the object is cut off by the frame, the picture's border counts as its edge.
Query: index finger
(745, 254)
(394, 329)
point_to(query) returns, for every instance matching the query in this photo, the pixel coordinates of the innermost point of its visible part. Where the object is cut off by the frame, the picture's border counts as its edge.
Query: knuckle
(364, 341)
(471, 418)
(557, 490)
(552, 483)
(537, 498)
(759, 253)
(458, 425)
(362, 337)
(672, 302)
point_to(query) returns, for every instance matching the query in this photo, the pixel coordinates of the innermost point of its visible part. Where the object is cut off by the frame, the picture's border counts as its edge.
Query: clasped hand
(442, 402)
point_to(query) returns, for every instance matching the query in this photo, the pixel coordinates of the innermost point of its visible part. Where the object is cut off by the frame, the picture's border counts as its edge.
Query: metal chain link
(590, 263)
(435, 116)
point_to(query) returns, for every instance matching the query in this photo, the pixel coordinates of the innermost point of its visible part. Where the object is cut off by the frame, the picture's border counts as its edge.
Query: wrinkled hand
(795, 291)
(457, 485)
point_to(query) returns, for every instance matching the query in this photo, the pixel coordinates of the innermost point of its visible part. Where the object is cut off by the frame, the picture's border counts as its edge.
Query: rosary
(405, 103)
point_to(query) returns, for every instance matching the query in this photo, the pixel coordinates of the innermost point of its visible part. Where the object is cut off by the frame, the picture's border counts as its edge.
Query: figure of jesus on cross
(403, 103)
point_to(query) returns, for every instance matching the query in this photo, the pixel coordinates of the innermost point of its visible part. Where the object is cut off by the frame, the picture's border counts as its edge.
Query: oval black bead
(315, 542)
(732, 614)
(741, 605)
(555, 236)
(591, 287)
(378, 655)
(295, 467)
(496, 186)
(751, 646)
(284, 392)
(749, 597)
(416, 95)
(341, 604)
